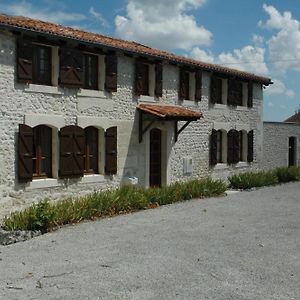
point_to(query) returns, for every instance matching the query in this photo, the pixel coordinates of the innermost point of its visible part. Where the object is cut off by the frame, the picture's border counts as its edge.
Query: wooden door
(155, 158)
(292, 149)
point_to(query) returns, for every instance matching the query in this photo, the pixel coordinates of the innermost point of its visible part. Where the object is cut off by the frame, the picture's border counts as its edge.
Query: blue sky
(262, 37)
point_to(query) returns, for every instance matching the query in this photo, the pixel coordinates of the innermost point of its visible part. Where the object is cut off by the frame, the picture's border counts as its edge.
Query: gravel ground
(243, 246)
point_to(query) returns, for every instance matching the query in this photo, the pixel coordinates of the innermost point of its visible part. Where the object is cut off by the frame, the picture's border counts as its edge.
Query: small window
(42, 65)
(235, 92)
(91, 150)
(216, 89)
(91, 72)
(41, 151)
(142, 78)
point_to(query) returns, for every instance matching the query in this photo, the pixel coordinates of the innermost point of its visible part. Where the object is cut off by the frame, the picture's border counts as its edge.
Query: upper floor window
(91, 72)
(235, 92)
(148, 78)
(34, 62)
(216, 89)
(190, 85)
(72, 67)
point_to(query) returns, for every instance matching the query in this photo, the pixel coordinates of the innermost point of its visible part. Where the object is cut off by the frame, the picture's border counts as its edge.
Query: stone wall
(58, 107)
(276, 144)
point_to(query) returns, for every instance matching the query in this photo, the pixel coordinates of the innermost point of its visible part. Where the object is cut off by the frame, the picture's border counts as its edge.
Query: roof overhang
(167, 113)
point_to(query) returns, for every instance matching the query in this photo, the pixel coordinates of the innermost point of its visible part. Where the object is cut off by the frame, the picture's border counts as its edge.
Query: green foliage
(287, 174)
(46, 216)
(252, 179)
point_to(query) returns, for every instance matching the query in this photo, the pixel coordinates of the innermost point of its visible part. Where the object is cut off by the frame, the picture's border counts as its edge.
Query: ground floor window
(91, 150)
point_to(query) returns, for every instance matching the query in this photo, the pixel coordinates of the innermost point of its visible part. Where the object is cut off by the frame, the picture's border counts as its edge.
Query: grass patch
(47, 215)
(287, 174)
(249, 180)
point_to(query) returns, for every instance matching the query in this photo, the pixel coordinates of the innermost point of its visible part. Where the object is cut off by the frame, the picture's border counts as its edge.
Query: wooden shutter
(236, 146)
(250, 94)
(139, 82)
(198, 92)
(213, 147)
(72, 146)
(78, 151)
(111, 147)
(158, 79)
(24, 60)
(250, 146)
(184, 84)
(233, 146)
(71, 67)
(25, 143)
(215, 90)
(111, 72)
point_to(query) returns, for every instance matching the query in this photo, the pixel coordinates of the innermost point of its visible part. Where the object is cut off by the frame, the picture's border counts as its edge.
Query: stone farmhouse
(81, 111)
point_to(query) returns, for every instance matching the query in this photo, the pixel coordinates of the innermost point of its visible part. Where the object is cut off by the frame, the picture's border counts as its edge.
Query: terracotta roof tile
(27, 24)
(170, 111)
(294, 118)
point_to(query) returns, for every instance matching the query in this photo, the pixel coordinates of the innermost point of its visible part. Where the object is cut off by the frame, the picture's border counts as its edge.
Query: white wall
(21, 103)
(276, 143)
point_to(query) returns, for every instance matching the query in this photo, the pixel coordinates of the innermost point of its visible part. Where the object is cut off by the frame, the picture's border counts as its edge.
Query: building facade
(82, 112)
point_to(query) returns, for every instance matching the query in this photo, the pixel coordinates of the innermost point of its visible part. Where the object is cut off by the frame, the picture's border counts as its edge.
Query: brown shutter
(198, 93)
(184, 84)
(230, 149)
(24, 60)
(215, 90)
(111, 72)
(236, 146)
(250, 146)
(250, 94)
(25, 143)
(79, 151)
(111, 147)
(231, 97)
(213, 147)
(71, 67)
(72, 143)
(139, 82)
(158, 79)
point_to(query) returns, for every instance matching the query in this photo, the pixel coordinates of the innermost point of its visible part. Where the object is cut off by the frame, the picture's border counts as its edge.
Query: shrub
(249, 180)
(286, 174)
(45, 216)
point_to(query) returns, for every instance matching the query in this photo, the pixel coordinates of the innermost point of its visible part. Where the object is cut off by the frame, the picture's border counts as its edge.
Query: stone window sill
(221, 166)
(225, 106)
(189, 103)
(42, 183)
(92, 178)
(46, 89)
(242, 164)
(92, 93)
(144, 98)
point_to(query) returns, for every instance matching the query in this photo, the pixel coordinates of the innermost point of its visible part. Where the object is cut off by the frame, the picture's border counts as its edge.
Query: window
(233, 147)
(91, 150)
(42, 149)
(190, 85)
(34, 62)
(235, 92)
(148, 78)
(90, 72)
(79, 151)
(34, 152)
(216, 89)
(218, 151)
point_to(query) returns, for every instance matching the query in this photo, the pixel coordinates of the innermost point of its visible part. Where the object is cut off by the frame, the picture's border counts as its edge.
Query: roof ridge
(26, 23)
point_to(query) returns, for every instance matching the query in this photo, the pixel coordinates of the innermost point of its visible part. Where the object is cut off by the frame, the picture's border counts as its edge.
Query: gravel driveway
(243, 246)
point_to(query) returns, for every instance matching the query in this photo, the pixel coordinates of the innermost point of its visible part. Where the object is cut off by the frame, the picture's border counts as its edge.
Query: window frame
(89, 132)
(42, 135)
(91, 69)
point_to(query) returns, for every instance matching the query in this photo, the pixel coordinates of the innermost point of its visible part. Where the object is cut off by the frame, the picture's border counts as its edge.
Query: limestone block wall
(276, 144)
(57, 107)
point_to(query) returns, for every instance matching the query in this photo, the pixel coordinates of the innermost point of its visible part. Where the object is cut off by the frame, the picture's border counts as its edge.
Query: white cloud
(258, 40)
(164, 24)
(284, 46)
(26, 9)
(279, 88)
(270, 104)
(98, 16)
(248, 58)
